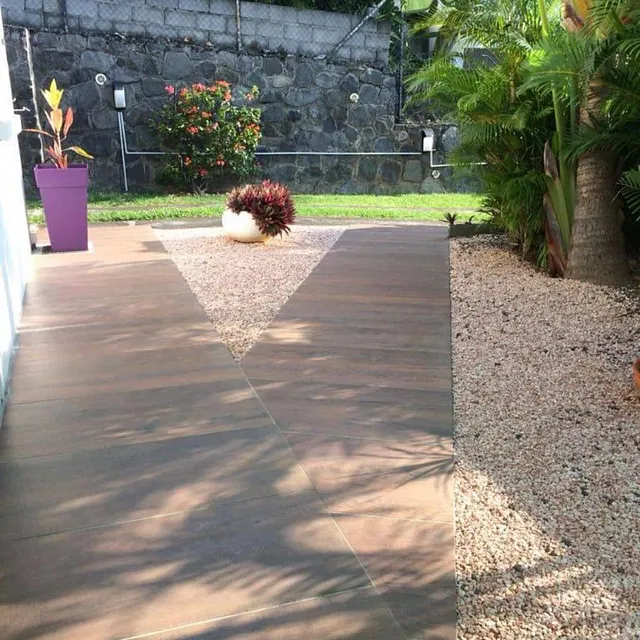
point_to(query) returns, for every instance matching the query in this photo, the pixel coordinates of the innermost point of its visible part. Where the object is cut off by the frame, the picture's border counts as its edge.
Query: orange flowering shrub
(205, 135)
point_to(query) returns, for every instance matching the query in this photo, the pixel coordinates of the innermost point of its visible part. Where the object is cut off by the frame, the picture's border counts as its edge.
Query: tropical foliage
(206, 135)
(556, 119)
(59, 123)
(269, 203)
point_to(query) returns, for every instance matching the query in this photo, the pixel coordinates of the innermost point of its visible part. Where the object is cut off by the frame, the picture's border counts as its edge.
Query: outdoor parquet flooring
(151, 487)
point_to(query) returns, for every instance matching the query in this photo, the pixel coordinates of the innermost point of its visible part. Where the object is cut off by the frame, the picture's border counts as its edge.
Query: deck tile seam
(190, 625)
(88, 450)
(373, 515)
(158, 516)
(327, 511)
(321, 434)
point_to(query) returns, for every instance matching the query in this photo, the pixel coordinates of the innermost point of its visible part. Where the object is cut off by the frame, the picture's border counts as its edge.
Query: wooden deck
(148, 491)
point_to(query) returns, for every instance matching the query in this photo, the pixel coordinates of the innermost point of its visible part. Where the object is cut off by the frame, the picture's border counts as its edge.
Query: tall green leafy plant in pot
(63, 186)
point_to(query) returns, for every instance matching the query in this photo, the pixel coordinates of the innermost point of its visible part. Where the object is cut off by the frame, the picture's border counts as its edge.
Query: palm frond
(630, 189)
(624, 142)
(563, 64)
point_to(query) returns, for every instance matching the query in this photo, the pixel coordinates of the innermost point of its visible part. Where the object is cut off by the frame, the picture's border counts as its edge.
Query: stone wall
(307, 107)
(262, 27)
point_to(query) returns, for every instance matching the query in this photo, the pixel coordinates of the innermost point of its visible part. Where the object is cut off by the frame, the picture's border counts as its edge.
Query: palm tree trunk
(597, 252)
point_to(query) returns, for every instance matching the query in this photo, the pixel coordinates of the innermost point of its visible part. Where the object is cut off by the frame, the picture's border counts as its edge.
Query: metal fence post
(372, 13)
(63, 11)
(238, 29)
(402, 42)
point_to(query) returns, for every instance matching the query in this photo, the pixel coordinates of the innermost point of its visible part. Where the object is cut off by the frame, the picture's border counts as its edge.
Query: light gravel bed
(547, 453)
(243, 286)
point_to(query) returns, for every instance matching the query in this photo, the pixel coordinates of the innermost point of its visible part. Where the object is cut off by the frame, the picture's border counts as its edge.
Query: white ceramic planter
(241, 227)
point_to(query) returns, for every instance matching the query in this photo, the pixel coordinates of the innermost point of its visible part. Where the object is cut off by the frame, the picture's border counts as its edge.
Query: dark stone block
(287, 145)
(327, 80)
(360, 116)
(368, 169)
(97, 143)
(317, 113)
(450, 139)
(97, 43)
(274, 114)
(282, 172)
(351, 133)
(301, 138)
(387, 97)
(300, 97)
(304, 75)
(12, 54)
(45, 39)
(372, 76)
(126, 76)
(245, 64)
(153, 86)
(335, 98)
(271, 67)
(431, 185)
(340, 142)
(281, 82)
(255, 78)
(98, 61)
(176, 65)
(339, 114)
(320, 142)
(207, 70)
(85, 96)
(352, 188)
(382, 127)
(293, 115)
(314, 170)
(269, 97)
(340, 172)
(369, 94)
(383, 145)
(50, 59)
(104, 119)
(78, 75)
(228, 74)
(328, 125)
(412, 171)
(390, 171)
(350, 84)
(367, 134)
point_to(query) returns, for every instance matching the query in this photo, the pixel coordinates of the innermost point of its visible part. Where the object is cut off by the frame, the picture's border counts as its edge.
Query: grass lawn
(112, 207)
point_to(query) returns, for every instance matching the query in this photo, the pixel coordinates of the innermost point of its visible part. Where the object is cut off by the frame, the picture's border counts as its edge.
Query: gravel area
(243, 286)
(547, 452)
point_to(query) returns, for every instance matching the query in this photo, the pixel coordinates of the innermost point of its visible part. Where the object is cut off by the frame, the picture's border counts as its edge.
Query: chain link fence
(311, 27)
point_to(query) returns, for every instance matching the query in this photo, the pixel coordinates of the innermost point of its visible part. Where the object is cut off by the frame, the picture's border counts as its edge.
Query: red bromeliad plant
(269, 203)
(206, 135)
(59, 124)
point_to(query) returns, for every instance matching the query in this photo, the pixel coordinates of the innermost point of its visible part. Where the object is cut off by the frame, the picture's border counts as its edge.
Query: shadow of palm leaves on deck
(247, 529)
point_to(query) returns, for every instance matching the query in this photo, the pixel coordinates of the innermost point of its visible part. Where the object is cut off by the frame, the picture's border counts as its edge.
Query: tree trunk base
(597, 253)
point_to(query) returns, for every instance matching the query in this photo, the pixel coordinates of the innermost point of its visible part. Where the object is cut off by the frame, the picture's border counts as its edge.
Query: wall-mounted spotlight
(101, 79)
(119, 97)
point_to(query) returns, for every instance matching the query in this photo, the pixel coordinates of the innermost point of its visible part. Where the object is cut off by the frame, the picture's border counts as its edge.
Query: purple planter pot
(64, 198)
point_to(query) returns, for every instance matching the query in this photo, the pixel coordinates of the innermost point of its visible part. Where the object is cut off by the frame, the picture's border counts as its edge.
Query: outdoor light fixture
(428, 140)
(101, 79)
(119, 97)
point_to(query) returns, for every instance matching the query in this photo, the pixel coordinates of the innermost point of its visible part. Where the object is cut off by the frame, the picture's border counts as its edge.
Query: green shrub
(206, 136)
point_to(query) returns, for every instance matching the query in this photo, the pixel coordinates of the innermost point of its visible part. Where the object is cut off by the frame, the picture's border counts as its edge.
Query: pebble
(550, 437)
(243, 286)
